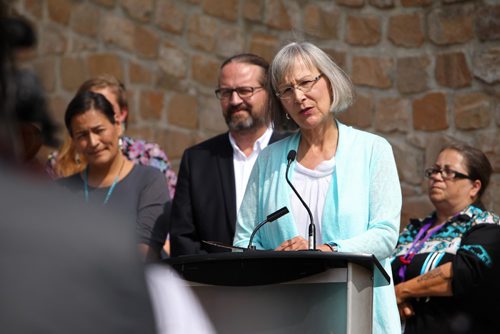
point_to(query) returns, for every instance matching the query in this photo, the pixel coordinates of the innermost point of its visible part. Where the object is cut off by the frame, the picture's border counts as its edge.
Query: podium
(284, 292)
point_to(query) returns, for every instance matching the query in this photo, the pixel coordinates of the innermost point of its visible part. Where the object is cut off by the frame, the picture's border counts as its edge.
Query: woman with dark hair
(111, 179)
(445, 265)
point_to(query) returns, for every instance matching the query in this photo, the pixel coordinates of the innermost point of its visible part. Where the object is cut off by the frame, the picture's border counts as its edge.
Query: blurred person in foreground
(109, 178)
(347, 177)
(446, 266)
(69, 267)
(213, 174)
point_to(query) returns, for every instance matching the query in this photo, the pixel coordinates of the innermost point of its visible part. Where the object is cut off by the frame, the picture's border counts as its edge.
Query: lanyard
(110, 190)
(416, 246)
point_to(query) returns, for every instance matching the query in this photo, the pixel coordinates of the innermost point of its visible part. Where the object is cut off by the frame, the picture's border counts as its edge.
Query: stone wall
(426, 72)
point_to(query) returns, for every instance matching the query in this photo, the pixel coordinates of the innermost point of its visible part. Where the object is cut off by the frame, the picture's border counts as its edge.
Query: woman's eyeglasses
(446, 173)
(304, 86)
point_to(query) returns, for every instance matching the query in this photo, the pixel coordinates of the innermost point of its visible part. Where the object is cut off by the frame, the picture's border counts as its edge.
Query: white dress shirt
(243, 165)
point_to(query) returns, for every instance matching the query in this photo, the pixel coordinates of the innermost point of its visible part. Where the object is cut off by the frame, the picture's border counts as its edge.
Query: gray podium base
(317, 304)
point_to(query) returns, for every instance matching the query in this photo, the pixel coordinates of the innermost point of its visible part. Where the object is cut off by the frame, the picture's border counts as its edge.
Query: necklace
(110, 190)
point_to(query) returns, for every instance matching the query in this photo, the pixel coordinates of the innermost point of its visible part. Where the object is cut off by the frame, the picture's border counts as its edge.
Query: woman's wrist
(332, 246)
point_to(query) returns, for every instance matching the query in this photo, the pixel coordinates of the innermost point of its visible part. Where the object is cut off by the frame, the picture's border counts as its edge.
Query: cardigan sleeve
(384, 206)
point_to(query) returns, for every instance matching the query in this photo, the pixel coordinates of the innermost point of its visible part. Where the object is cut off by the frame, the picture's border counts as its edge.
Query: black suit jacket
(204, 206)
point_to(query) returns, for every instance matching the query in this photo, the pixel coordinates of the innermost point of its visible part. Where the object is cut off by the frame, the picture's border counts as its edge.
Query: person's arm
(153, 213)
(470, 273)
(183, 236)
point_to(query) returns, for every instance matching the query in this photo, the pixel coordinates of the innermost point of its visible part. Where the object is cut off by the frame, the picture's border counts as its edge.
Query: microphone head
(291, 155)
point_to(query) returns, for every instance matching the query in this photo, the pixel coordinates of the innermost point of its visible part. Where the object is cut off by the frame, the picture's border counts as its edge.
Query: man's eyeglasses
(243, 92)
(446, 173)
(304, 86)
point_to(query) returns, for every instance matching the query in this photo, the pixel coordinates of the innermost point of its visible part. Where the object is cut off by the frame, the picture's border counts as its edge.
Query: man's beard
(241, 124)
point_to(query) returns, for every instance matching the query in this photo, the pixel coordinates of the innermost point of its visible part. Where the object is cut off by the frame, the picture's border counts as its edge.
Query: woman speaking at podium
(347, 196)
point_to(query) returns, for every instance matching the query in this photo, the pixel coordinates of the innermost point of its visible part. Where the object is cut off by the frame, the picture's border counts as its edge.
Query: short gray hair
(339, 83)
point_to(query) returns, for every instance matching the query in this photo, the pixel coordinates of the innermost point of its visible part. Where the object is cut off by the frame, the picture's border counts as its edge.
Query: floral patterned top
(141, 153)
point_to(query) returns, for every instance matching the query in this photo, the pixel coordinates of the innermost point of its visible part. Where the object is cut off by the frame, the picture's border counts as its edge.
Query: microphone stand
(272, 217)
(312, 228)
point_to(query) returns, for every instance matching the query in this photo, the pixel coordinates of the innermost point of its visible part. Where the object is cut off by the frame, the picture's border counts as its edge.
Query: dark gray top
(142, 196)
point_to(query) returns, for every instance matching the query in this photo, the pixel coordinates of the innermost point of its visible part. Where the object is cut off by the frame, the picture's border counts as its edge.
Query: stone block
(85, 19)
(46, 69)
(176, 16)
(430, 112)
(321, 23)
(339, 57)
(118, 31)
(253, 10)
(52, 42)
(101, 63)
(372, 71)
(490, 198)
(418, 207)
(412, 74)
(406, 30)
(175, 142)
(210, 116)
(225, 9)
(276, 15)
(487, 141)
(416, 3)
(360, 114)
(105, 3)
(73, 73)
(382, 4)
(139, 74)
(151, 104)
(56, 105)
(34, 7)
(264, 45)
(351, 3)
(487, 23)
(452, 70)
(146, 42)
(472, 110)
(183, 111)
(60, 10)
(173, 61)
(450, 25)
(230, 41)
(486, 65)
(141, 11)
(392, 114)
(142, 132)
(363, 30)
(205, 70)
(201, 32)
(409, 162)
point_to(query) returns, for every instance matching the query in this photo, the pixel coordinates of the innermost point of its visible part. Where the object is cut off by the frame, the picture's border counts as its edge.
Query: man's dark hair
(252, 59)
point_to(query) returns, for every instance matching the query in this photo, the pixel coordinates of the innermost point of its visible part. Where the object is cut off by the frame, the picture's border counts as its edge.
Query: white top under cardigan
(362, 212)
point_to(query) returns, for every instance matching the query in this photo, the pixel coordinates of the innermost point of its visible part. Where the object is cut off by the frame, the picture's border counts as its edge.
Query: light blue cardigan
(361, 213)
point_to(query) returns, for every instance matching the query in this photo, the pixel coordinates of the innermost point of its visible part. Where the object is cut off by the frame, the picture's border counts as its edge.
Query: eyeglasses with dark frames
(304, 86)
(243, 92)
(446, 173)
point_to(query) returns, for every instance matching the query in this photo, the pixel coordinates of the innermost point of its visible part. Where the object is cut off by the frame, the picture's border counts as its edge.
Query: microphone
(312, 228)
(272, 217)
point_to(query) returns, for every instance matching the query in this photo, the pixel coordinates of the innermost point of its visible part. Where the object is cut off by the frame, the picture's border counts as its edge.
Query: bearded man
(213, 174)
